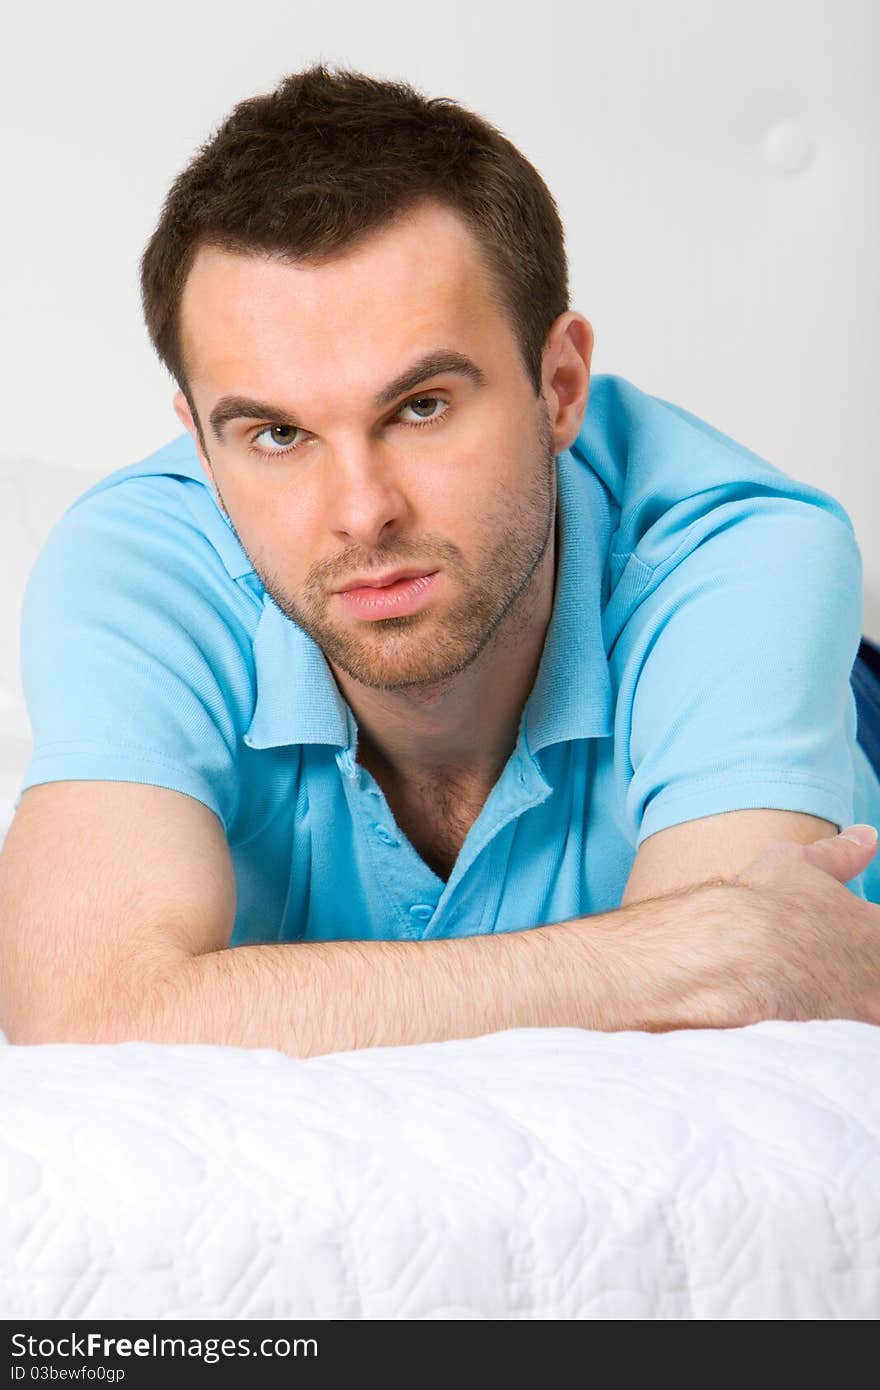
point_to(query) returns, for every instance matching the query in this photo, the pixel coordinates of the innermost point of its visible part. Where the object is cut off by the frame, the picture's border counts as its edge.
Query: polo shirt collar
(572, 697)
(299, 702)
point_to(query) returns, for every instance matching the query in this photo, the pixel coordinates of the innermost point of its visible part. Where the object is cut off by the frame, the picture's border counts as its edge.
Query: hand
(818, 948)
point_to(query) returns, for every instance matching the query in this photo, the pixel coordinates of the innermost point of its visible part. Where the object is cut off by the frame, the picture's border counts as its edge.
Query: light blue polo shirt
(707, 615)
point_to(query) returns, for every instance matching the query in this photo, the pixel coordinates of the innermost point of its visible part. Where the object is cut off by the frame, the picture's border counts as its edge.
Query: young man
(425, 686)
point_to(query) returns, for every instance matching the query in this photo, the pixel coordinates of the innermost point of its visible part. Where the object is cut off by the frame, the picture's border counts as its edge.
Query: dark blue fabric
(865, 681)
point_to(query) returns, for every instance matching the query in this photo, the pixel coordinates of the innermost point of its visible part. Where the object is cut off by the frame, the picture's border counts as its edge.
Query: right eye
(272, 430)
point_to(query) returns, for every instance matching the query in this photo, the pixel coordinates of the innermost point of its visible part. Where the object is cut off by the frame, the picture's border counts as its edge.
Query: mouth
(383, 581)
(409, 591)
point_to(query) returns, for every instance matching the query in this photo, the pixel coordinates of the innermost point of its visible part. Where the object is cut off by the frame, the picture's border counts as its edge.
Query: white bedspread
(535, 1173)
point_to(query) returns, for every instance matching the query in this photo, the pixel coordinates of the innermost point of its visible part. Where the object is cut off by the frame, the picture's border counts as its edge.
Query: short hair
(312, 168)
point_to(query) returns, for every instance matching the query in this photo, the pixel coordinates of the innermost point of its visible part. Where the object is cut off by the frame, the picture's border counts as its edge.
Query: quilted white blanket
(534, 1173)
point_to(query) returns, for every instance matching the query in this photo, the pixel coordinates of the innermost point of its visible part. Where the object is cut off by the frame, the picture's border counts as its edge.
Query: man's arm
(632, 968)
(785, 939)
(117, 906)
(712, 847)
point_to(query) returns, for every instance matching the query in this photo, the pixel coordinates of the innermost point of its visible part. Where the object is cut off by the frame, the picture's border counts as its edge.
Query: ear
(567, 358)
(185, 416)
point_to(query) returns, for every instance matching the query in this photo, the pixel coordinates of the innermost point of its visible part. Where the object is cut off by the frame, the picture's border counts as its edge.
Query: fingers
(862, 834)
(846, 855)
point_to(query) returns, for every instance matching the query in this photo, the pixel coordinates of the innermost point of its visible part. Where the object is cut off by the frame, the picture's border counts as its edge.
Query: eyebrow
(440, 361)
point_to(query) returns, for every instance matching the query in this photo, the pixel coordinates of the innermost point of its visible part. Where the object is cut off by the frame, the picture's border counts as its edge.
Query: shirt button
(382, 834)
(421, 910)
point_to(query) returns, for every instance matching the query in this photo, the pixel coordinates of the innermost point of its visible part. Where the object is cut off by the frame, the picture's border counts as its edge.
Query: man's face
(346, 489)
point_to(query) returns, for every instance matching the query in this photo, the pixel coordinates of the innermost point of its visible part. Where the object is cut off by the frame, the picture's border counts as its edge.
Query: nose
(364, 497)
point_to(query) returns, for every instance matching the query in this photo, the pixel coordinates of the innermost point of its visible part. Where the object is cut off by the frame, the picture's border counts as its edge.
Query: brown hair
(313, 167)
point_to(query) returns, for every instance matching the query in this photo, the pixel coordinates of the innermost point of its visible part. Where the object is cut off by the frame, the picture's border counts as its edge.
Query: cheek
(280, 533)
(459, 485)
(505, 478)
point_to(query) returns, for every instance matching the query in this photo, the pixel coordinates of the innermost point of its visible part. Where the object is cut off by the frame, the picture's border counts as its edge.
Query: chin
(397, 665)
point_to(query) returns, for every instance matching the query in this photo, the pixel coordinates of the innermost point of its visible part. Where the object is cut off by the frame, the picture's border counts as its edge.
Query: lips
(382, 581)
(399, 598)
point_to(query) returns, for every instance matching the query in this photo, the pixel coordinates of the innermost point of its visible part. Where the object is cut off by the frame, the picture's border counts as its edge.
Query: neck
(466, 726)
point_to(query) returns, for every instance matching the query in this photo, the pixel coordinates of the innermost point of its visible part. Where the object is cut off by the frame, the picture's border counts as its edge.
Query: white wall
(716, 165)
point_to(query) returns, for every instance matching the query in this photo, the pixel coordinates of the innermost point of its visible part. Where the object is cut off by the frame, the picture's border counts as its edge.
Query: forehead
(422, 279)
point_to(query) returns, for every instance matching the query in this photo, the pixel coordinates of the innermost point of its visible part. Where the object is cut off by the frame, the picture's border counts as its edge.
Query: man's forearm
(632, 968)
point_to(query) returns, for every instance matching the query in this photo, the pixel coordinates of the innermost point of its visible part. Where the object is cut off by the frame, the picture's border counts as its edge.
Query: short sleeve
(133, 664)
(735, 683)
